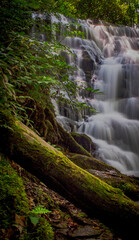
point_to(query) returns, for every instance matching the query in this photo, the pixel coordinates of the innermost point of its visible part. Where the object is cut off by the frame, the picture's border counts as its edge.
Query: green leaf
(34, 220)
(93, 90)
(83, 103)
(96, 90)
(25, 97)
(40, 210)
(92, 109)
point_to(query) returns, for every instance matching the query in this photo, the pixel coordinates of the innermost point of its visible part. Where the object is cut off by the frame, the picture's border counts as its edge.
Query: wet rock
(105, 174)
(60, 237)
(86, 231)
(84, 141)
(88, 163)
(61, 225)
(63, 231)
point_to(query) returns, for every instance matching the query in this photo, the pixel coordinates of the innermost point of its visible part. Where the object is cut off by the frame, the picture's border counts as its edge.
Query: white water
(107, 59)
(115, 129)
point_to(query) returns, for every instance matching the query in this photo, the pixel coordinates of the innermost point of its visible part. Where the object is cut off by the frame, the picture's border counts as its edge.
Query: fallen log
(91, 194)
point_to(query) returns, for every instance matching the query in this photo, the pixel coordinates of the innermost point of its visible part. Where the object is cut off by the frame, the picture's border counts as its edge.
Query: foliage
(36, 67)
(42, 5)
(13, 17)
(67, 8)
(35, 214)
(40, 210)
(114, 11)
(28, 66)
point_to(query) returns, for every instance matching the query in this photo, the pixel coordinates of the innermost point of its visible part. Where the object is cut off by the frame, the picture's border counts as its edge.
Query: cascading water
(115, 129)
(107, 59)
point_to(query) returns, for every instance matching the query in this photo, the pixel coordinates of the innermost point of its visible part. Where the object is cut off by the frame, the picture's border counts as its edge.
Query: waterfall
(106, 59)
(110, 56)
(115, 129)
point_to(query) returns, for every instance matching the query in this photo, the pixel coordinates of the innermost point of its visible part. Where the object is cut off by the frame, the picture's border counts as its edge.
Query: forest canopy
(113, 11)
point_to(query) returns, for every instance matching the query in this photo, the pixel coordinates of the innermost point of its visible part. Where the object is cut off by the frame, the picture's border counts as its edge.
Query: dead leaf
(19, 220)
(15, 67)
(56, 215)
(18, 228)
(72, 224)
(9, 71)
(9, 233)
(97, 228)
(31, 202)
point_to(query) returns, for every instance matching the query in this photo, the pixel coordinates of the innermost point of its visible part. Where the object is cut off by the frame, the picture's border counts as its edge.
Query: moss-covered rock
(13, 199)
(129, 185)
(70, 144)
(86, 162)
(85, 142)
(42, 231)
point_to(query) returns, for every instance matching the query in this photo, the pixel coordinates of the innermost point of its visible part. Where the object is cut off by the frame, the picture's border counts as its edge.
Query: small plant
(35, 214)
(40, 228)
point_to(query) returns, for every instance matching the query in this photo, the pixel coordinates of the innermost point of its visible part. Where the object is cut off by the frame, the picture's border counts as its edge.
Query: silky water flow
(106, 59)
(114, 52)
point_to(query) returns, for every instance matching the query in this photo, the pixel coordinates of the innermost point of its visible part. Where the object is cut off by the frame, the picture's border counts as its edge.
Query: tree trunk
(53, 168)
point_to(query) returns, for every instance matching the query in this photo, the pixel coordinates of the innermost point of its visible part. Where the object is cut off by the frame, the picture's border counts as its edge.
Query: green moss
(13, 201)
(62, 163)
(81, 215)
(44, 198)
(52, 135)
(85, 142)
(70, 144)
(13, 198)
(50, 116)
(86, 162)
(43, 231)
(102, 188)
(131, 189)
(128, 185)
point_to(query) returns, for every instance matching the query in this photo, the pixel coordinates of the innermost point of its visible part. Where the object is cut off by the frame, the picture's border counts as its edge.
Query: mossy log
(129, 185)
(53, 168)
